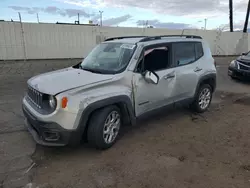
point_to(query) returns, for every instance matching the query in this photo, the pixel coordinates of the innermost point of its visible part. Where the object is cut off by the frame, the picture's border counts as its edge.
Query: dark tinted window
(155, 59)
(184, 53)
(198, 50)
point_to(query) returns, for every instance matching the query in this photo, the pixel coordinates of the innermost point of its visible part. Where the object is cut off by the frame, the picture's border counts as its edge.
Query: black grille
(35, 97)
(247, 63)
(243, 67)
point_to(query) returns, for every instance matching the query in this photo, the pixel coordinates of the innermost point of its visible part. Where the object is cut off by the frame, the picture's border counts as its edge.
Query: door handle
(197, 69)
(171, 75)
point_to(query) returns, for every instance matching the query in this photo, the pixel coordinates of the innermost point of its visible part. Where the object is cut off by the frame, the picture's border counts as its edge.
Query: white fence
(53, 41)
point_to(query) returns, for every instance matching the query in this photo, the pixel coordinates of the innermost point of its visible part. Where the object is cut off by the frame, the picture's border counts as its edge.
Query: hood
(65, 79)
(244, 58)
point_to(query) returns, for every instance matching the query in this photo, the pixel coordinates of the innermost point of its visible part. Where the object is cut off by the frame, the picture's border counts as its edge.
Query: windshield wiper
(92, 70)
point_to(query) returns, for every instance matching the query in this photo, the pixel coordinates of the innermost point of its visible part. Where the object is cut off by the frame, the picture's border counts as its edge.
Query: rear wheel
(104, 127)
(202, 99)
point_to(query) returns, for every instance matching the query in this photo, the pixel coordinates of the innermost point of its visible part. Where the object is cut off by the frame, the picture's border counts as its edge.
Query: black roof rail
(149, 38)
(124, 37)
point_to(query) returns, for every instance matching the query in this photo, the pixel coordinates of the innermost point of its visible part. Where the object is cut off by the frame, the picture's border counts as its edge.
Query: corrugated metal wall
(52, 41)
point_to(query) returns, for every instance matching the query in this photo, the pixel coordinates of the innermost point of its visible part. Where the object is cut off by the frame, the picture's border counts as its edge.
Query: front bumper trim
(38, 138)
(50, 133)
(238, 72)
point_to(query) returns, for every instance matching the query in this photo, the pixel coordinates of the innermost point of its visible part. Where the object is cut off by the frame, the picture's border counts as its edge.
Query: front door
(150, 96)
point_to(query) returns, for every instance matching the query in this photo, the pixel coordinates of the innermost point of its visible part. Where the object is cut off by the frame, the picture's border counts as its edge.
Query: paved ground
(177, 150)
(16, 145)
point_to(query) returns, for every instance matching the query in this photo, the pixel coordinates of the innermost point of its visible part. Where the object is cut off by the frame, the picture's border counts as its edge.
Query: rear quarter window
(198, 50)
(184, 53)
(187, 52)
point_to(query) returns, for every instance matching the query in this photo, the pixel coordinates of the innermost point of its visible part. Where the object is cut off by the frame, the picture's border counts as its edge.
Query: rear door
(187, 60)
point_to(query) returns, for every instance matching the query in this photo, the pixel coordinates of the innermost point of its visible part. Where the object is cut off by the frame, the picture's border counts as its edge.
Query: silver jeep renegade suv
(120, 80)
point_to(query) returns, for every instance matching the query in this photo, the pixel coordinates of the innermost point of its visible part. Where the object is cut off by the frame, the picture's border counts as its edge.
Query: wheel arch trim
(84, 114)
(204, 78)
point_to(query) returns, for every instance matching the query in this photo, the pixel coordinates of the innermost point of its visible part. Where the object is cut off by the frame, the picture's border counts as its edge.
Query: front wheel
(202, 99)
(104, 127)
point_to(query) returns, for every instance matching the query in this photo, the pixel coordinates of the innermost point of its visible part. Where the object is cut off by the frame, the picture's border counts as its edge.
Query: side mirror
(151, 77)
(244, 53)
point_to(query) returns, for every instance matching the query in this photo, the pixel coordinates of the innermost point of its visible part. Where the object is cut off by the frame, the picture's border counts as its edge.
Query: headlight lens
(233, 64)
(52, 101)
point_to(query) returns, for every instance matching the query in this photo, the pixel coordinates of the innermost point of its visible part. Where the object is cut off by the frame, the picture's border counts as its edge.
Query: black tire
(195, 105)
(95, 132)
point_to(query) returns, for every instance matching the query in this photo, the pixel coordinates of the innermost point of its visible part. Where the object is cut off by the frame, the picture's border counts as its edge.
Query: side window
(198, 50)
(184, 53)
(157, 58)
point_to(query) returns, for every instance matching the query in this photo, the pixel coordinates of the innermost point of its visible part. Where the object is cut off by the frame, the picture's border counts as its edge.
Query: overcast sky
(173, 14)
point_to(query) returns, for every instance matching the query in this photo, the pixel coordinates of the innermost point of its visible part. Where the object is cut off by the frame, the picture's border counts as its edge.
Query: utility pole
(22, 34)
(247, 18)
(37, 16)
(78, 20)
(20, 17)
(231, 15)
(100, 17)
(205, 27)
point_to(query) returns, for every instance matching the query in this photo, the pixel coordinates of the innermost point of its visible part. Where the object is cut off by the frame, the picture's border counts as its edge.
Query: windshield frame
(104, 71)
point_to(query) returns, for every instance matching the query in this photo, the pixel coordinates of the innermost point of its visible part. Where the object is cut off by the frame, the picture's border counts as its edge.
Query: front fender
(84, 114)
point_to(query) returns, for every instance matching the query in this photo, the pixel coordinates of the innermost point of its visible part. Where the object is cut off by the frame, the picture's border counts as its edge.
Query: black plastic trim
(239, 73)
(204, 78)
(44, 110)
(37, 129)
(142, 103)
(150, 38)
(123, 37)
(121, 99)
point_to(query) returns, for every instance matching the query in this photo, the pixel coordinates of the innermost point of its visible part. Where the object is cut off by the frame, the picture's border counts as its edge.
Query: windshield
(248, 54)
(108, 58)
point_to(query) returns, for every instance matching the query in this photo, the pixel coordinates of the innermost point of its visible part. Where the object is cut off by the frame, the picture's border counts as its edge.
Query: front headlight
(233, 64)
(52, 101)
